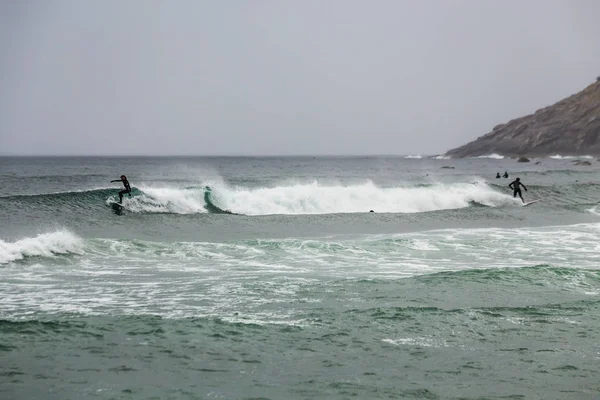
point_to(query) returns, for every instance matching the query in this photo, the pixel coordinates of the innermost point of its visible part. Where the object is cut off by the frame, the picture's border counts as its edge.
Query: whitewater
(314, 198)
(287, 199)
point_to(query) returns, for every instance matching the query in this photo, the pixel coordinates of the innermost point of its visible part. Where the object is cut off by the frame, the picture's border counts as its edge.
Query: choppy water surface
(269, 278)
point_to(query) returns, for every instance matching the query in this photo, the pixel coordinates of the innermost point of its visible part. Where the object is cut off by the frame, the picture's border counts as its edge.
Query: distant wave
(493, 156)
(414, 156)
(442, 157)
(559, 157)
(44, 245)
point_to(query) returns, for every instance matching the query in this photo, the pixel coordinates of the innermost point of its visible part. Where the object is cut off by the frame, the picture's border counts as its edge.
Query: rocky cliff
(569, 127)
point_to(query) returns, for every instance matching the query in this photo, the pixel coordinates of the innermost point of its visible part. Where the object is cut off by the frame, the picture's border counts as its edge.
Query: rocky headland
(570, 127)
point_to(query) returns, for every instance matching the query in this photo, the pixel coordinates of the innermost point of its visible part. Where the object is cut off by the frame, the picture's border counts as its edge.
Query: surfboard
(531, 202)
(116, 206)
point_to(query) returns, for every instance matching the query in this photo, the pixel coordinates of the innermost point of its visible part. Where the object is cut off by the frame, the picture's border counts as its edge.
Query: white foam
(324, 199)
(315, 198)
(414, 157)
(594, 210)
(559, 157)
(257, 280)
(417, 341)
(44, 245)
(493, 156)
(166, 200)
(423, 244)
(442, 157)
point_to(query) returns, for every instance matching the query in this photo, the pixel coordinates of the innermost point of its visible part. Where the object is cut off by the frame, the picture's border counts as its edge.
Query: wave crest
(44, 245)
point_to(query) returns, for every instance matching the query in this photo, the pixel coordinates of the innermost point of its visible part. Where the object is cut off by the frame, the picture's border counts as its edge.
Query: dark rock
(523, 159)
(569, 127)
(446, 167)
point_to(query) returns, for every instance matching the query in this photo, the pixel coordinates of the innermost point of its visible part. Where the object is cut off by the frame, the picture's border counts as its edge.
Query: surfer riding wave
(127, 187)
(516, 187)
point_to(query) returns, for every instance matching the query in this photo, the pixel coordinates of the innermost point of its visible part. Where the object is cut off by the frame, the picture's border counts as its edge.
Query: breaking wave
(559, 157)
(320, 199)
(493, 156)
(301, 198)
(166, 200)
(44, 245)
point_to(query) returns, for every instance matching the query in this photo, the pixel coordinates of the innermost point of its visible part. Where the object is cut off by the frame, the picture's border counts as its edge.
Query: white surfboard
(531, 202)
(116, 204)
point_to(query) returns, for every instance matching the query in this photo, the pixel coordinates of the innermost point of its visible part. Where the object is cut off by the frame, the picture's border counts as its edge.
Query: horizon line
(221, 155)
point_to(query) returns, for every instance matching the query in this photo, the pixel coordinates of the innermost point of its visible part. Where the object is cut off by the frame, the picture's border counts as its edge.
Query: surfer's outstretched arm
(524, 187)
(116, 180)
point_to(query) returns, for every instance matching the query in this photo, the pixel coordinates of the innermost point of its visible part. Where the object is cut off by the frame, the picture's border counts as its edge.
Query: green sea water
(248, 278)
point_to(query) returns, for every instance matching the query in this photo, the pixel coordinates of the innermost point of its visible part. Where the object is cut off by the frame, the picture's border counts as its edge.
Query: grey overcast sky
(282, 77)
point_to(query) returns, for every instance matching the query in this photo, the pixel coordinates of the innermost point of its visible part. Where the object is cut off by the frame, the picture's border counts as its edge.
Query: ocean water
(268, 278)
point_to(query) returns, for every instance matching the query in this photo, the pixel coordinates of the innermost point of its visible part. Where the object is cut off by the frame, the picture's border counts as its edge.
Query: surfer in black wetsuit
(127, 187)
(516, 187)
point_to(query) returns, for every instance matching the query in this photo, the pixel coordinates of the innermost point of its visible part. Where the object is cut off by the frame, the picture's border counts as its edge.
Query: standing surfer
(127, 187)
(516, 187)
